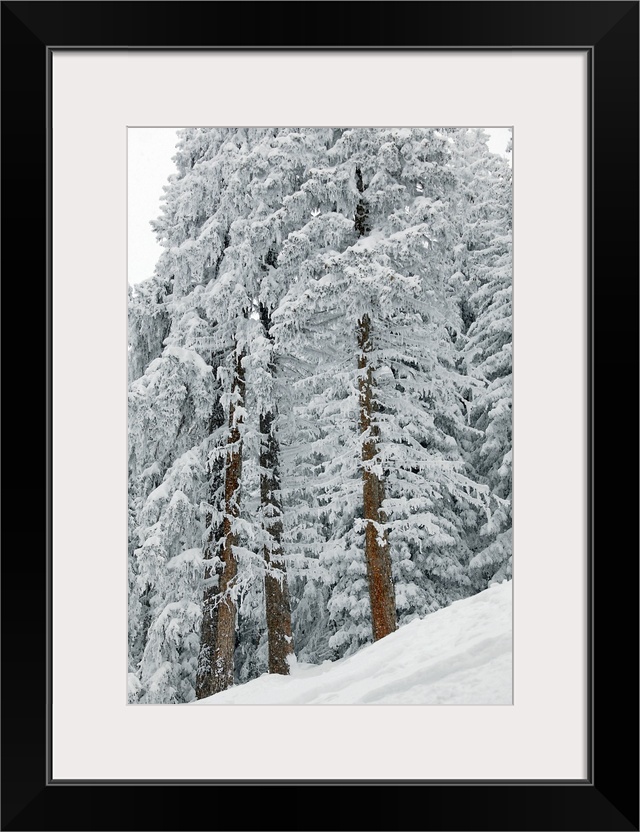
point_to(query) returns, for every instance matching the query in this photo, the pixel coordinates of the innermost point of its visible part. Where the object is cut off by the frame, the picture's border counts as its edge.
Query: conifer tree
(395, 274)
(484, 273)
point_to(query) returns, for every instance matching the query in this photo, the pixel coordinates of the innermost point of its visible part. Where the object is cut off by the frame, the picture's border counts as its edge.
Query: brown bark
(275, 583)
(222, 665)
(376, 544)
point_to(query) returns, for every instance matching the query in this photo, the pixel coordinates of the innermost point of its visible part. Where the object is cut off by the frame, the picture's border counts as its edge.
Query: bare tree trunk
(222, 670)
(376, 544)
(275, 582)
(212, 575)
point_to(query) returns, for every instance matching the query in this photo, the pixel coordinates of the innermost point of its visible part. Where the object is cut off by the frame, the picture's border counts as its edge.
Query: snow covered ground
(460, 655)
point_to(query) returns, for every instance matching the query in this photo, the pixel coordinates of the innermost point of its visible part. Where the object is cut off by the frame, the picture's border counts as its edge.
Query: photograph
(320, 415)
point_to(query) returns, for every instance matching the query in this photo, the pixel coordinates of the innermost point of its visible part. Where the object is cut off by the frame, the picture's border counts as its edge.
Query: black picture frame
(608, 798)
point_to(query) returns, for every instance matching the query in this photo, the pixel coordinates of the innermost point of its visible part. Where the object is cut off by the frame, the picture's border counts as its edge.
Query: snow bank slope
(460, 655)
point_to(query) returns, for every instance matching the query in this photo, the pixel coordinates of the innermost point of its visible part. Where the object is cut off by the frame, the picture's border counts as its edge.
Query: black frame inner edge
(51, 781)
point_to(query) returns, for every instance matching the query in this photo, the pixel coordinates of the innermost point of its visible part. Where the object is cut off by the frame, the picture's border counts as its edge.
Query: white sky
(150, 150)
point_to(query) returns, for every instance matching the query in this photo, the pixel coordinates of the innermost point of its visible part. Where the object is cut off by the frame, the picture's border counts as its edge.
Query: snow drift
(460, 655)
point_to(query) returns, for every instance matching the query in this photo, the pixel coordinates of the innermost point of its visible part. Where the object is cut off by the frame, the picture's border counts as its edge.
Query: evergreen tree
(484, 275)
(394, 275)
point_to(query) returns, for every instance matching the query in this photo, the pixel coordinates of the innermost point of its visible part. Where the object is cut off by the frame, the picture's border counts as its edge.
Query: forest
(319, 400)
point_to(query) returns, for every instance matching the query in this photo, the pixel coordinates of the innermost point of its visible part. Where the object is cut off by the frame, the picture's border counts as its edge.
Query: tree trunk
(275, 581)
(212, 555)
(212, 575)
(376, 544)
(205, 685)
(222, 671)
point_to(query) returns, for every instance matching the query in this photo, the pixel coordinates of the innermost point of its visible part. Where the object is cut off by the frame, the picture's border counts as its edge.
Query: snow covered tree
(275, 204)
(238, 196)
(394, 277)
(484, 266)
(170, 406)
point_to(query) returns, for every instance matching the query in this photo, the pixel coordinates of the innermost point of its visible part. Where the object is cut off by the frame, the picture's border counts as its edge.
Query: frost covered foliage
(485, 274)
(330, 303)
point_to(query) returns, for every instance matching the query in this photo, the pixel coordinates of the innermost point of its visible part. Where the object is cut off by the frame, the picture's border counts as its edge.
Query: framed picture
(78, 78)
